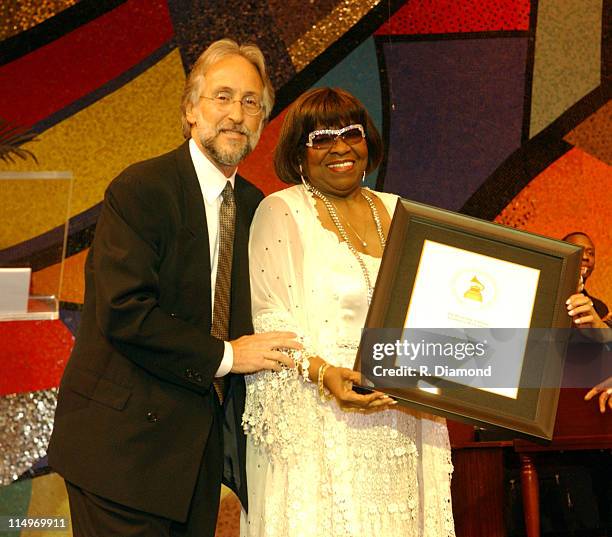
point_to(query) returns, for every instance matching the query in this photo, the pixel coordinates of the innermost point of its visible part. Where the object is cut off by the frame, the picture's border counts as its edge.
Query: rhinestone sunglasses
(326, 138)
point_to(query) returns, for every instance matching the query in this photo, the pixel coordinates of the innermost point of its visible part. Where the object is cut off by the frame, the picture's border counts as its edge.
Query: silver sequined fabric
(26, 422)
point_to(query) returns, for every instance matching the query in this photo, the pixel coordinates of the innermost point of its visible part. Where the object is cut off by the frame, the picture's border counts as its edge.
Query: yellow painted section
(46, 281)
(327, 31)
(567, 63)
(138, 121)
(49, 499)
(29, 204)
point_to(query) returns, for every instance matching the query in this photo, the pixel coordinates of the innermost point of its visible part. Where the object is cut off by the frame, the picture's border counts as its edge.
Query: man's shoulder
(158, 166)
(156, 174)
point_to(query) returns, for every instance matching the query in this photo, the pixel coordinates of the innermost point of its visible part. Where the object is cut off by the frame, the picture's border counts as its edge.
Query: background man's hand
(604, 389)
(580, 307)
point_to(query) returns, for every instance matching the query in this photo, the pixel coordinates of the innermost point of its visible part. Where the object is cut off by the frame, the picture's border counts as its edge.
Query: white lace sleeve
(276, 259)
(277, 290)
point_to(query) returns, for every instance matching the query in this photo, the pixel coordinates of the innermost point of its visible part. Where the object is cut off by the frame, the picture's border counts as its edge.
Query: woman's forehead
(334, 123)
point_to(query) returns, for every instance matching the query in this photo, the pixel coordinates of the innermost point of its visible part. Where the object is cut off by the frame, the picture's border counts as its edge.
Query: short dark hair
(575, 233)
(317, 108)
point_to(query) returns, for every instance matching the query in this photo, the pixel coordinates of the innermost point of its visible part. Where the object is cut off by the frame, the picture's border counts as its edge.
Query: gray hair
(213, 54)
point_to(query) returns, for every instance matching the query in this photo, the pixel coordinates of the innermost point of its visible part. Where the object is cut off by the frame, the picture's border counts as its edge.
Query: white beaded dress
(314, 469)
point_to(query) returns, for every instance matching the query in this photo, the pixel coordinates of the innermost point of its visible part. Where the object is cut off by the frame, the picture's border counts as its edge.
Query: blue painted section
(71, 318)
(357, 73)
(457, 112)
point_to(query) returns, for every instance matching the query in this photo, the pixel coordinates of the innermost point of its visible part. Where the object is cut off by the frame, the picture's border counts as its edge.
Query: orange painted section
(573, 194)
(73, 285)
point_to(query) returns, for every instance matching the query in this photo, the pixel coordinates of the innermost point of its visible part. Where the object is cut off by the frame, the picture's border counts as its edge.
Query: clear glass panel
(33, 235)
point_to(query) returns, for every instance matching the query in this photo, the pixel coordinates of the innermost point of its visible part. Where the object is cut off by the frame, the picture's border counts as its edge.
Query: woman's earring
(363, 177)
(304, 182)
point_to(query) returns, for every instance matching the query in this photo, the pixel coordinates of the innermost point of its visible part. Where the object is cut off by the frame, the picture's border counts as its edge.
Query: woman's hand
(604, 389)
(580, 308)
(339, 381)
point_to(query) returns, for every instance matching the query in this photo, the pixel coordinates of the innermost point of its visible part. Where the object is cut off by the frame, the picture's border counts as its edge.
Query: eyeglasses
(326, 138)
(224, 99)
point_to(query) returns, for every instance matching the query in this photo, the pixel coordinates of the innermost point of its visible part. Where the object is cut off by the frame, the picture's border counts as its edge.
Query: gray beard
(226, 157)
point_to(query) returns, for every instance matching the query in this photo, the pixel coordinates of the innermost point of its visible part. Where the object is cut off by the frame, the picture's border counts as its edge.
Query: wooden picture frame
(531, 413)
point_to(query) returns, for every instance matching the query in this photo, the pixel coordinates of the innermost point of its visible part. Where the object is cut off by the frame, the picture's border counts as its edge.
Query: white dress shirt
(212, 182)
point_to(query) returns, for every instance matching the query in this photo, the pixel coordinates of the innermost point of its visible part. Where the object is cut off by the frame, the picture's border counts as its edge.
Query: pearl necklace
(333, 214)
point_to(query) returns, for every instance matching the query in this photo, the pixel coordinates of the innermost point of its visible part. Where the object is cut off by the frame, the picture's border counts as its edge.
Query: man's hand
(604, 389)
(256, 352)
(580, 307)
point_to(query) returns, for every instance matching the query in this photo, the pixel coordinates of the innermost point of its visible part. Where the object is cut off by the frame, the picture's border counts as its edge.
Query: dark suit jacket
(135, 403)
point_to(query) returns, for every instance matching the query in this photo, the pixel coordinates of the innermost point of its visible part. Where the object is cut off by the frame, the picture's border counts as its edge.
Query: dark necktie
(221, 310)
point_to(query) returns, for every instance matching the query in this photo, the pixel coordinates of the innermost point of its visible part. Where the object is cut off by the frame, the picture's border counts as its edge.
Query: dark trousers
(93, 516)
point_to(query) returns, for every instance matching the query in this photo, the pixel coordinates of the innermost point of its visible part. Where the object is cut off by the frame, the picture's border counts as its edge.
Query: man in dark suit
(143, 435)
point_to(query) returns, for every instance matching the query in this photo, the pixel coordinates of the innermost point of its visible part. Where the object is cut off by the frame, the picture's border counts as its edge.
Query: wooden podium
(579, 426)
(478, 487)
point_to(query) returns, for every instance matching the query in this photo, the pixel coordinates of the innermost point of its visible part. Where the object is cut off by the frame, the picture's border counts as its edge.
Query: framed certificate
(468, 320)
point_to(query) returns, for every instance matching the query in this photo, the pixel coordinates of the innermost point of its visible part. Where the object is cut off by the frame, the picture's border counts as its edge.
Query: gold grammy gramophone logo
(473, 288)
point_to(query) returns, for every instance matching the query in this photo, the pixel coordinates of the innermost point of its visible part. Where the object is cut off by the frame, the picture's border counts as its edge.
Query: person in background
(590, 312)
(582, 310)
(588, 264)
(604, 389)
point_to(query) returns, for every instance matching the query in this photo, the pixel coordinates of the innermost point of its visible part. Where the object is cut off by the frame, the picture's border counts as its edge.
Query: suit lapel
(234, 445)
(194, 216)
(240, 313)
(241, 237)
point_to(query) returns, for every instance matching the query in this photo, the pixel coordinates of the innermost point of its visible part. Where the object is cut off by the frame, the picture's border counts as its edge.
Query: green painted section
(14, 502)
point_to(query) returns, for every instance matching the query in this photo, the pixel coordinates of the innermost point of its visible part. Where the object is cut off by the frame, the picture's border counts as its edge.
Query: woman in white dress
(348, 464)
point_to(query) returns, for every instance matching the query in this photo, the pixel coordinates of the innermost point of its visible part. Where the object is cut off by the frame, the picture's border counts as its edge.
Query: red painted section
(457, 16)
(52, 77)
(33, 355)
(258, 167)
